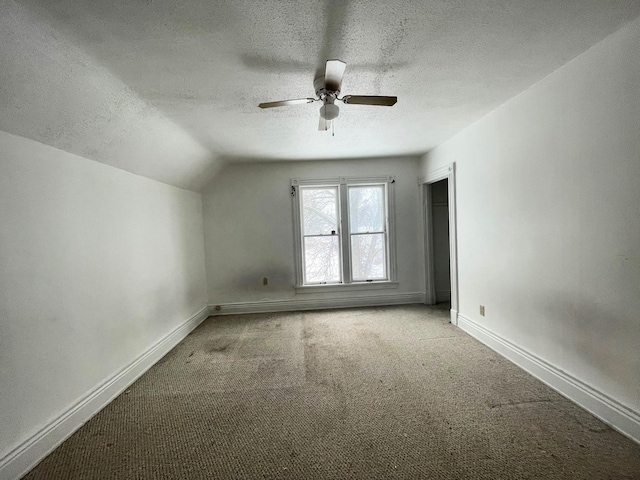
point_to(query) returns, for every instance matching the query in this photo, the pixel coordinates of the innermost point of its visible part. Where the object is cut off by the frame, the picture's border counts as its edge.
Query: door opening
(440, 240)
(441, 267)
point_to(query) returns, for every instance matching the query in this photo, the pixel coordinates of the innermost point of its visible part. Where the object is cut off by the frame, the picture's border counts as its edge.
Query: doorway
(440, 241)
(439, 209)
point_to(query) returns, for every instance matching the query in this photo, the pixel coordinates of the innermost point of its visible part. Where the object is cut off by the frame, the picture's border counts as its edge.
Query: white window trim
(348, 284)
(340, 287)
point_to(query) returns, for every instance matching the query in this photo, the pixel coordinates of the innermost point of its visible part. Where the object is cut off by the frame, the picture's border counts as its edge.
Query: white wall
(548, 202)
(96, 265)
(249, 231)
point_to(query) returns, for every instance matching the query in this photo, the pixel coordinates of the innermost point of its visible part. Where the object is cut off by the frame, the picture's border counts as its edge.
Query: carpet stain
(519, 404)
(307, 333)
(218, 346)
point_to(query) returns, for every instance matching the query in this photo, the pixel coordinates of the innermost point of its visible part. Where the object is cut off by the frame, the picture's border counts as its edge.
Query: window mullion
(345, 237)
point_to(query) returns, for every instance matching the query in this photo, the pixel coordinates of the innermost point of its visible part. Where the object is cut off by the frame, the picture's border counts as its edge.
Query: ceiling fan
(327, 91)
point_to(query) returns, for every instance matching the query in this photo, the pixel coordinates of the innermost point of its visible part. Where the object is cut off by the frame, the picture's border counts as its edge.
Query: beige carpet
(394, 392)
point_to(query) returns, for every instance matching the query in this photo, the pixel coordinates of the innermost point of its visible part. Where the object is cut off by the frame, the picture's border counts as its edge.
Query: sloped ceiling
(169, 90)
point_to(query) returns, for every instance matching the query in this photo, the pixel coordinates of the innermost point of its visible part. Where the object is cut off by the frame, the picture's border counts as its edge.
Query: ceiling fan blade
(333, 73)
(324, 125)
(369, 100)
(286, 103)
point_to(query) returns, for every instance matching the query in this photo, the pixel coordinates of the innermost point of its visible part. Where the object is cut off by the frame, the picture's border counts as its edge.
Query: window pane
(366, 209)
(368, 257)
(322, 259)
(319, 210)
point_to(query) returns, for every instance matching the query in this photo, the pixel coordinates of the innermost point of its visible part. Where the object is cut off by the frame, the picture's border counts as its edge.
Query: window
(344, 232)
(320, 237)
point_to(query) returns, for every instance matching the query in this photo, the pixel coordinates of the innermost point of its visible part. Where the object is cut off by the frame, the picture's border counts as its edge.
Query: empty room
(319, 239)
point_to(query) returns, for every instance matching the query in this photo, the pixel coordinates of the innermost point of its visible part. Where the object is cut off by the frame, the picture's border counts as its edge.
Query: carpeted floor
(393, 392)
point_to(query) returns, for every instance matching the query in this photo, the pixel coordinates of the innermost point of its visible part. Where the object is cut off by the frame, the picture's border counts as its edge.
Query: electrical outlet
(218, 308)
(265, 281)
(482, 310)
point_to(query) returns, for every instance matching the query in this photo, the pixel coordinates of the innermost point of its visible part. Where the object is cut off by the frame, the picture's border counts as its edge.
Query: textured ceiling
(170, 89)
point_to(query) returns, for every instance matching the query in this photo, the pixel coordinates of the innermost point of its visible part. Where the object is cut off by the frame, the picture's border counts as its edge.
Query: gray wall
(249, 230)
(96, 265)
(548, 195)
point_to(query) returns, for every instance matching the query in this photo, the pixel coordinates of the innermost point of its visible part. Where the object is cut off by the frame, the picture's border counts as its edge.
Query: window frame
(343, 184)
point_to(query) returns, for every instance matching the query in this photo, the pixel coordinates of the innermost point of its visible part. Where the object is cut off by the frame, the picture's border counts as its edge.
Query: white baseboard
(31, 451)
(264, 306)
(454, 316)
(610, 411)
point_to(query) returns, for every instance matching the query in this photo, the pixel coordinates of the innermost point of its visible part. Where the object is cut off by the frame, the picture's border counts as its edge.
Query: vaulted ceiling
(169, 90)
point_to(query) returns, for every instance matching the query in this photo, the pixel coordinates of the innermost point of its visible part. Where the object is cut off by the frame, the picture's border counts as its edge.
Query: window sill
(346, 287)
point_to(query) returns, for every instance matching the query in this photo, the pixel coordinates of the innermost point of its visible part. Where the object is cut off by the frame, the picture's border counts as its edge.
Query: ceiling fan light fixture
(329, 111)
